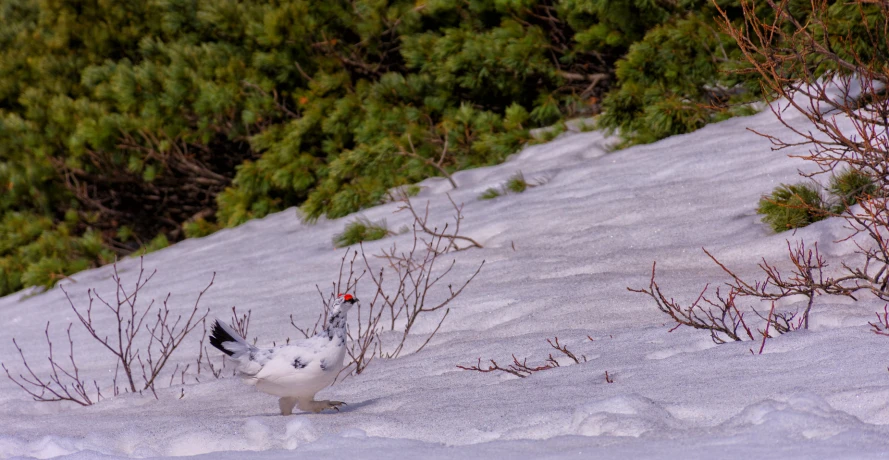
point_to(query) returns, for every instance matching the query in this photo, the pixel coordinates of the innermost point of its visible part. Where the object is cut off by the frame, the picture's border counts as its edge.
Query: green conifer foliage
(850, 187)
(131, 124)
(677, 79)
(793, 206)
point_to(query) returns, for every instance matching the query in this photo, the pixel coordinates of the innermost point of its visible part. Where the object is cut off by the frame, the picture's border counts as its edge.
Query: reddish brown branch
(521, 368)
(720, 316)
(133, 355)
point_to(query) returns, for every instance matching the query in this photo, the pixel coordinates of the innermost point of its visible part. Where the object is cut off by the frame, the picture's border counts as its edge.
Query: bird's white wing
(270, 362)
(255, 359)
(308, 365)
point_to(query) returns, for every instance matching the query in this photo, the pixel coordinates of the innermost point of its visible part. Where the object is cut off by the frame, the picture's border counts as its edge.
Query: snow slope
(579, 240)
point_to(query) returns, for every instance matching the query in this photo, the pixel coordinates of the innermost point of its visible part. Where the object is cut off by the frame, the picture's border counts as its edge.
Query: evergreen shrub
(360, 230)
(793, 206)
(124, 121)
(515, 184)
(849, 187)
(490, 194)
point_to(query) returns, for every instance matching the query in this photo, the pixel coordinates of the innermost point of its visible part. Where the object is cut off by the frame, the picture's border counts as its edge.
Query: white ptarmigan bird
(293, 372)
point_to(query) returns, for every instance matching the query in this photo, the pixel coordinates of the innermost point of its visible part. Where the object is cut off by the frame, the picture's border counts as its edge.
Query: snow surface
(558, 260)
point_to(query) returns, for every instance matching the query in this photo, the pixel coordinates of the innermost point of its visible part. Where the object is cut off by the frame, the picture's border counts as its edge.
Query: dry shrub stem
(438, 165)
(517, 368)
(69, 386)
(140, 363)
(881, 326)
(423, 223)
(806, 279)
(718, 314)
(721, 316)
(521, 368)
(241, 323)
(406, 287)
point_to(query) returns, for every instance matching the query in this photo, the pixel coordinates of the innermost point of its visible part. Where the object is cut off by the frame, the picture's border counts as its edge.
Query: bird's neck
(335, 326)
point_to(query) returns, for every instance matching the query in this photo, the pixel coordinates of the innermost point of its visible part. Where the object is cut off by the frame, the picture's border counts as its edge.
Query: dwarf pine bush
(798, 205)
(792, 206)
(490, 194)
(199, 227)
(360, 230)
(661, 89)
(516, 183)
(178, 118)
(849, 187)
(413, 190)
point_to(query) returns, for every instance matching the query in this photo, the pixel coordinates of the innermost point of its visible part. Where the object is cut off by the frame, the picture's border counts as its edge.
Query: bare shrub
(406, 287)
(719, 315)
(140, 360)
(417, 271)
(205, 359)
(517, 368)
(438, 164)
(826, 78)
(62, 384)
(421, 224)
(241, 323)
(831, 81)
(522, 369)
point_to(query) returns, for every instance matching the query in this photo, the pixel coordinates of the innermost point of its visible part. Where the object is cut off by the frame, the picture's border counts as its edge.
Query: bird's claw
(336, 405)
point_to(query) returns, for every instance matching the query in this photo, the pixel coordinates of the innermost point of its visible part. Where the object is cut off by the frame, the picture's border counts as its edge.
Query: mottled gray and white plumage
(293, 372)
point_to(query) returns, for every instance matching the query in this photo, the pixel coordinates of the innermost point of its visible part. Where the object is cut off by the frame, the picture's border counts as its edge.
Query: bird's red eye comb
(346, 296)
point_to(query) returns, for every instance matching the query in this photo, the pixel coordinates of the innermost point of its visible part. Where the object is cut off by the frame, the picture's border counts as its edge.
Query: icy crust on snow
(558, 260)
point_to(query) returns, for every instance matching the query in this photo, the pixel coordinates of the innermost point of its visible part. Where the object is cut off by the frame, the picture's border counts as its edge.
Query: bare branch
(521, 368)
(132, 356)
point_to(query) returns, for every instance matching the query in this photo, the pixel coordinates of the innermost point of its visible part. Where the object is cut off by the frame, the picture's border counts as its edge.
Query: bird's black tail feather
(218, 336)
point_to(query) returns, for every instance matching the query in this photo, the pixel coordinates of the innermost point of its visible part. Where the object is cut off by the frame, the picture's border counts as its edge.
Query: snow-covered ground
(559, 258)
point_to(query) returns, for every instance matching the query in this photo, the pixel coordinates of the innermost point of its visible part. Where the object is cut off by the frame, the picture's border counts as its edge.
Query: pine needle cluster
(360, 230)
(515, 184)
(798, 205)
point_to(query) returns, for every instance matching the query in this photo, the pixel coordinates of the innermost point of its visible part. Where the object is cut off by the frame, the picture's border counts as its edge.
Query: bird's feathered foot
(286, 405)
(318, 406)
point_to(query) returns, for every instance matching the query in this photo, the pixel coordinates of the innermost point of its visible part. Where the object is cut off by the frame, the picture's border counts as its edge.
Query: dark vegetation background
(129, 125)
